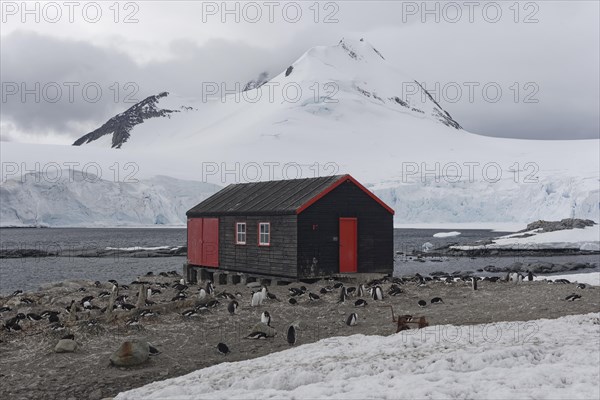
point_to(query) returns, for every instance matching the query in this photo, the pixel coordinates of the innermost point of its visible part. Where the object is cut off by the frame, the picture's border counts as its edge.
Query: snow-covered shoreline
(543, 358)
(584, 239)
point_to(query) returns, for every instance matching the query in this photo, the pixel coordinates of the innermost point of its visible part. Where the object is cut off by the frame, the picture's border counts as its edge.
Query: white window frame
(261, 234)
(238, 233)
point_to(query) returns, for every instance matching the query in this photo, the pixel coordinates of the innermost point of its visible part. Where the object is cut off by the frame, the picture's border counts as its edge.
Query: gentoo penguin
(153, 351)
(474, 283)
(293, 301)
(132, 321)
(291, 335)
(257, 299)
(223, 349)
(377, 293)
(573, 297)
(350, 290)
(257, 335)
(352, 319)
(27, 300)
(179, 296)
(190, 313)
(265, 318)
(395, 290)
(361, 290)
(343, 295)
(147, 313)
(33, 317)
(82, 289)
(125, 287)
(437, 300)
(530, 276)
(103, 294)
(263, 293)
(313, 296)
(201, 294)
(232, 307)
(422, 303)
(581, 286)
(212, 303)
(57, 326)
(5, 309)
(210, 289)
(360, 303)
(97, 283)
(16, 293)
(338, 285)
(271, 296)
(53, 318)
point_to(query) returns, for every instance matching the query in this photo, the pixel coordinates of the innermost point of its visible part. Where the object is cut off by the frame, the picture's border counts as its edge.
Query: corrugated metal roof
(272, 197)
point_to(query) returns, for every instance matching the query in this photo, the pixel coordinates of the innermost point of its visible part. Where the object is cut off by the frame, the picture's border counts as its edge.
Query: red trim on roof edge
(338, 183)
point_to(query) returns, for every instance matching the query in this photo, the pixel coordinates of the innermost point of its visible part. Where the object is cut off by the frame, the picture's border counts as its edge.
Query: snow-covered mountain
(345, 109)
(324, 82)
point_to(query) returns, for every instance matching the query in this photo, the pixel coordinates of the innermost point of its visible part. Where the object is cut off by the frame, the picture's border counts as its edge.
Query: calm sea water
(30, 273)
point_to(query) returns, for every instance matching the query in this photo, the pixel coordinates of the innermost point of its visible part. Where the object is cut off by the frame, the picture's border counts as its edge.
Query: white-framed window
(264, 234)
(240, 233)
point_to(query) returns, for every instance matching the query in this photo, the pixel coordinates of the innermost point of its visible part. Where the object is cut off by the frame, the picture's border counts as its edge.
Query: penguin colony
(91, 306)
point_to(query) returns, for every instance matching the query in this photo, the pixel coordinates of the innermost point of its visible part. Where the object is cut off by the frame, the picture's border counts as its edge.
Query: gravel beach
(30, 369)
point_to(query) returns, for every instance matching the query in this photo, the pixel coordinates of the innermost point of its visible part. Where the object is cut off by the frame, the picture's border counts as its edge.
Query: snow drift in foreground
(76, 199)
(543, 359)
(587, 238)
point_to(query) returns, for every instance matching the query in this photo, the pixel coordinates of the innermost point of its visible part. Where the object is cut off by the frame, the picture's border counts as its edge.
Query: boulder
(253, 285)
(132, 352)
(264, 328)
(65, 346)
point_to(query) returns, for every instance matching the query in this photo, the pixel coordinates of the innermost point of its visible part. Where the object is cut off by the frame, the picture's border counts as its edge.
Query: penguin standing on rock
(291, 335)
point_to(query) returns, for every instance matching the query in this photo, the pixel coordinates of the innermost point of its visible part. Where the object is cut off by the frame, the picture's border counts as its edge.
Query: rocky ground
(30, 369)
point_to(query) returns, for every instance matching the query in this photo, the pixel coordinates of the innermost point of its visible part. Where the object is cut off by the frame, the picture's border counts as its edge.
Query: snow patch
(446, 234)
(545, 359)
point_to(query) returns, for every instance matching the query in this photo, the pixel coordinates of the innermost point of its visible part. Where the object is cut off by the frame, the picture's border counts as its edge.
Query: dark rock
(567, 223)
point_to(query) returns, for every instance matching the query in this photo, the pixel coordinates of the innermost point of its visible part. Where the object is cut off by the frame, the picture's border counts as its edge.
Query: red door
(203, 242)
(194, 234)
(348, 245)
(210, 242)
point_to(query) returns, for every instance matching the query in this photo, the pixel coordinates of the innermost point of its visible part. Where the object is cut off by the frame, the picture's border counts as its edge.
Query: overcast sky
(543, 56)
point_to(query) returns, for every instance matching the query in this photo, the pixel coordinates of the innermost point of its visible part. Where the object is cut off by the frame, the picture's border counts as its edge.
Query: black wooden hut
(299, 228)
